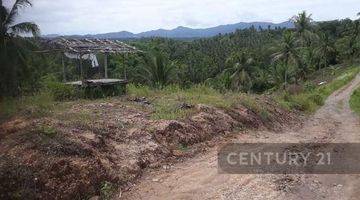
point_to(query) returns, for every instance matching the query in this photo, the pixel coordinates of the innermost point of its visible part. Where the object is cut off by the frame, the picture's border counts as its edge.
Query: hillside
(185, 32)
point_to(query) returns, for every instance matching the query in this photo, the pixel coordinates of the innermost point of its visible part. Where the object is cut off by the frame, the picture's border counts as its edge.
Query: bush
(59, 91)
(62, 92)
(317, 99)
(312, 98)
(302, 102)
(309, 86)
(355, 101)
(36, 106)
(106, 191)
(139, 90)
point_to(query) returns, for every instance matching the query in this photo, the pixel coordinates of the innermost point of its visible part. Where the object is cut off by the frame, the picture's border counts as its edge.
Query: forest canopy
(250, 60)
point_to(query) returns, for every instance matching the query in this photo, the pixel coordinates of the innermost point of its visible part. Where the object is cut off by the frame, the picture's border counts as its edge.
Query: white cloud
(99, 16)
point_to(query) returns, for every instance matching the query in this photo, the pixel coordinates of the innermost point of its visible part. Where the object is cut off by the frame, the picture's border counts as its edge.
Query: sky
(102, 16)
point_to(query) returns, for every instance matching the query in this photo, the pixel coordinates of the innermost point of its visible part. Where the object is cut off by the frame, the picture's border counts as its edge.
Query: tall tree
(12, 47)
(324, 50)
(241, 69)
(288, 53)
(8, 27)
(303, 23)
(307, 39)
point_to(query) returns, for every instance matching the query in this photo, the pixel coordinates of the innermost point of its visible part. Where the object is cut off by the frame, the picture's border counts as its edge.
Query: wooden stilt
(125, 75)
(106, 65)
(81, 68)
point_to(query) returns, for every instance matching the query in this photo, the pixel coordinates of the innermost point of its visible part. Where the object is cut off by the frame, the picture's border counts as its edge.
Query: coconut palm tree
(324, 49)
(8, 27)
(240, 70)
(303, 26)
(156, 69)
(288, 53)
(13, 49)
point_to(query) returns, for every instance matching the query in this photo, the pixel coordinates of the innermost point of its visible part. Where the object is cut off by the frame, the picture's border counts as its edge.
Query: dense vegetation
(252, 60)
(355, 101)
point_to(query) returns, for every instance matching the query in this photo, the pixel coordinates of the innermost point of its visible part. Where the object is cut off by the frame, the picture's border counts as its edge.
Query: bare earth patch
(198, 178)
(73, 153)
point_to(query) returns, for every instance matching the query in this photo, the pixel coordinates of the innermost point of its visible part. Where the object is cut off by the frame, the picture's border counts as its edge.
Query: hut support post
(81, 68)
(124, 63)
(106, 65)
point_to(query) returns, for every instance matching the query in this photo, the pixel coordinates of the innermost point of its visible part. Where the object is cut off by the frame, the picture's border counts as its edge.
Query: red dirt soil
(62, 157)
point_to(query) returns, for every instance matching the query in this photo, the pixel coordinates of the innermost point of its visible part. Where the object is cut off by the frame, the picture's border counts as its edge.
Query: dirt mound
(67, 157)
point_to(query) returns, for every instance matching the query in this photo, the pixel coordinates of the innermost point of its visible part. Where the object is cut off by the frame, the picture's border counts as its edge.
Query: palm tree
(288, 53)
(303, 26)
(156, 69)
(13, 49)
(7, 18)
(324, 49)
(240, 71)
(306, 38)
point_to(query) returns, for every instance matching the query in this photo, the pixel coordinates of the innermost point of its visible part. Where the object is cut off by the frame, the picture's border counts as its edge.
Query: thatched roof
(89, 46)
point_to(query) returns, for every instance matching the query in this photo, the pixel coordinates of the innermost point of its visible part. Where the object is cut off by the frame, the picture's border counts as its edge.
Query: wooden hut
(79, 48)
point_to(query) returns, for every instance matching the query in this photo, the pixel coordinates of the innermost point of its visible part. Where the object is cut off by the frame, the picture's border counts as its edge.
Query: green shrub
(355, 101)
(312, 98)
(106, 191)
(47, 131)
(139, 90)
(59, 91)
(62, 92)
(309, 86)
(95, 92)
(316, 98)
(31, 106)
(302, 102)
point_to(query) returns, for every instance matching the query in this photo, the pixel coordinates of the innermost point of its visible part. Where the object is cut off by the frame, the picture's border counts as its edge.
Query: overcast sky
(101, 16)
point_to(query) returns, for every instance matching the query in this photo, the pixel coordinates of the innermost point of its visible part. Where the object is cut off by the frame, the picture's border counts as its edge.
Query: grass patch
(47, 131)
(166, 101)
(107, 190)
(35, 106)
(355, 101)
(310, 100)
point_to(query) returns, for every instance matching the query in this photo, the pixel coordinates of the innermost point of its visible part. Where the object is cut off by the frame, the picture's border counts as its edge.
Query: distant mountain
(114, 35)
(184, 32)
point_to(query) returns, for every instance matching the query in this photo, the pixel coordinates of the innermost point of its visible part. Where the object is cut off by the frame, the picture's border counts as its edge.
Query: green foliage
(166, 101)
(355, 101)
(156, 69)
(106, 191)
(250, 60)
(254, 106)
(14, 51)
(59, 91)
(183, 147)
(101, 91)
(139, 91)
(47, 131)
(311, 99)
(37, 105)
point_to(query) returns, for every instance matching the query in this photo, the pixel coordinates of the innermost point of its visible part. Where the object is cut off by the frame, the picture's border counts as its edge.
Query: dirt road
(198, 178)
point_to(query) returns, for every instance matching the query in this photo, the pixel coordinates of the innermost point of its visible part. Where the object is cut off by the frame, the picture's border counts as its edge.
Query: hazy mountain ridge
(185, 32)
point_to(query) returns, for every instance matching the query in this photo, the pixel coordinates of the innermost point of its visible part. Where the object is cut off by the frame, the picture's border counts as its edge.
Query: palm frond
(25, 27)
(4, 12)
(15, 10)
